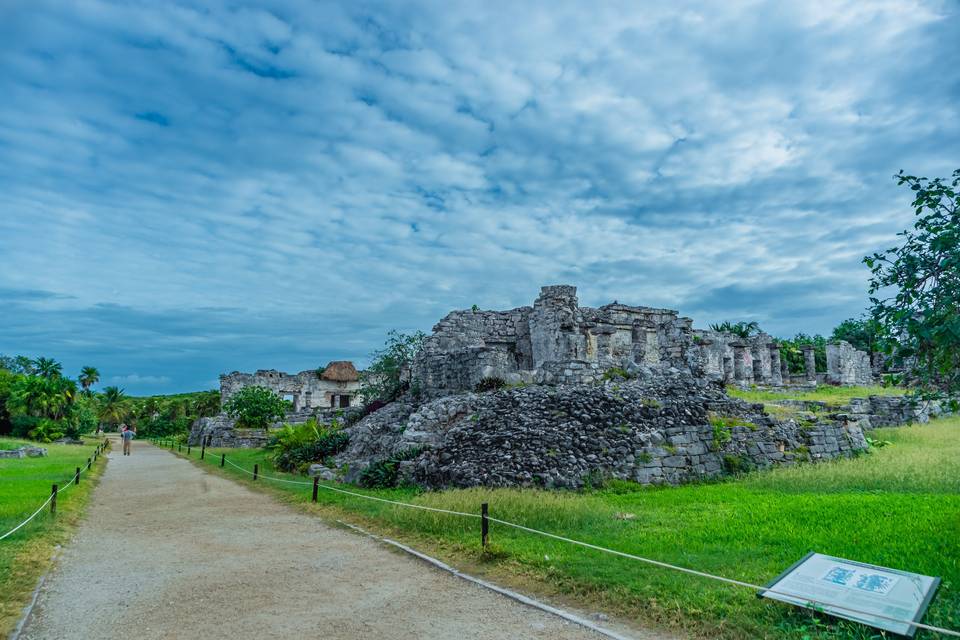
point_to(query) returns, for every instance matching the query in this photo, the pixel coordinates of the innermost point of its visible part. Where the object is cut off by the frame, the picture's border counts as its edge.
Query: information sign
(874, 591)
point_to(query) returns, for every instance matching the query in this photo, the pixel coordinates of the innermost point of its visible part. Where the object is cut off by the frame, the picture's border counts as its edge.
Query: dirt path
(169, 551)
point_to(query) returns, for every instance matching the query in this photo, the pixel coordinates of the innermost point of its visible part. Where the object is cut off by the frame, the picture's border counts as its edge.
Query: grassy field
(24, 485)
(898, 506)
(824, 393)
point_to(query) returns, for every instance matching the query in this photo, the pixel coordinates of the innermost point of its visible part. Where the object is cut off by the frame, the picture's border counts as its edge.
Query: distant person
(127, 435)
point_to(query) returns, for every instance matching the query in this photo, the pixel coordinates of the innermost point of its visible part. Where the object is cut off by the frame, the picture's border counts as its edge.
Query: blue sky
(195, 188)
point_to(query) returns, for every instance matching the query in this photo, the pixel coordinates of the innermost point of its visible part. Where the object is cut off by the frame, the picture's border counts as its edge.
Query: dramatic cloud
(191, 188)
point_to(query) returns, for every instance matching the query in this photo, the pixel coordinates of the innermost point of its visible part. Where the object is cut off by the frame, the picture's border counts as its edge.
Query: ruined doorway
(344, 401)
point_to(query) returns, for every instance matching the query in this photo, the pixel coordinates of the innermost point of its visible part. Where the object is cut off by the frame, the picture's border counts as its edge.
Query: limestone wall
(554, 340)
(847, 365)
(306, 390)
(654, 429)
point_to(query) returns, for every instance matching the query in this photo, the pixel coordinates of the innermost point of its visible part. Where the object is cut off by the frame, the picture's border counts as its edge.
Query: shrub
(490, 384)
(616, 373)
(721, 434)
(295, 447)
(737, 464)
(256, 407)
(383, 474)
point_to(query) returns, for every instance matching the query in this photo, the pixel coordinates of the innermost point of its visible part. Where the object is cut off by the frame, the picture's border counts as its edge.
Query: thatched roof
(340, 371)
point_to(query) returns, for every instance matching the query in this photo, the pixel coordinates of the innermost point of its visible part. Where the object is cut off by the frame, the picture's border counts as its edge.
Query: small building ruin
(336, 386)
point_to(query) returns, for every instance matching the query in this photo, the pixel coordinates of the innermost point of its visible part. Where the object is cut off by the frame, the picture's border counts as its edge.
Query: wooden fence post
(76, 476)
(316, 484)
(203, 448)
(53, 500)
(223, 459)
(484, 526)
(256, 470)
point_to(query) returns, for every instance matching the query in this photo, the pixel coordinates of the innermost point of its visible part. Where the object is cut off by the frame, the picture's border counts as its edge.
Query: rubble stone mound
(661, 427)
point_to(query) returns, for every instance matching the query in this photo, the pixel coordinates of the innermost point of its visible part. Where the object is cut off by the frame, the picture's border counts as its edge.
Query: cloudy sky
(190, 188)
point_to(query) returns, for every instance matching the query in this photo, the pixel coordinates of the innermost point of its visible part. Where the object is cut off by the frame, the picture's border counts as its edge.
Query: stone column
(810, 362)
(727, 368)
(739, 367)
(784, 371)
(776, 373)
(757, 363)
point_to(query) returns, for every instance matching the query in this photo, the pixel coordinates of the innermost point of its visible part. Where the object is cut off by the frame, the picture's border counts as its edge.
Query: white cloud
(297, 159)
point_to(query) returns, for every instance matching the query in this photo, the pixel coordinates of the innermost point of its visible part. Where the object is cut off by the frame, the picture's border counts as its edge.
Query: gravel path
(169, 551)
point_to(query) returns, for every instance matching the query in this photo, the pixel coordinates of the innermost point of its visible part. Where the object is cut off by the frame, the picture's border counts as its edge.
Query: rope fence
(58, 489)
(809, 603)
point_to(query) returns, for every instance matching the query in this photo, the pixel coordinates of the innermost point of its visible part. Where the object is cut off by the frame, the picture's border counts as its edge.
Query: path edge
(513, 595)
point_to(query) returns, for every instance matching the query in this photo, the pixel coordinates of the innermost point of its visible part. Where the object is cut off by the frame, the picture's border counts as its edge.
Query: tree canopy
(915, 287)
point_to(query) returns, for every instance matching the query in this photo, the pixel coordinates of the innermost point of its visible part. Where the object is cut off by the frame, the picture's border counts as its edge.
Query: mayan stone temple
(556, 341)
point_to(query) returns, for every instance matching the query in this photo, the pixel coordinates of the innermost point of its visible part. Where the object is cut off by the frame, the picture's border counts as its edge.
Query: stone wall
(555, 340)
(847, 365)
(659, 428)
(731, 359)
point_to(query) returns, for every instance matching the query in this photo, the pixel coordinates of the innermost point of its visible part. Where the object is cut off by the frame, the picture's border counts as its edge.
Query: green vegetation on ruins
(896, 506)
(24, 485)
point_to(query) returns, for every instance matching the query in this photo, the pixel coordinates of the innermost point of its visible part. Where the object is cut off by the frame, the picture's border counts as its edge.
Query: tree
(89, 376)
(862, 333)
(741, 329)
(256, 407)
(41, 397)
(915, 288)
(114, 406)
(385, 379)
(48, 367)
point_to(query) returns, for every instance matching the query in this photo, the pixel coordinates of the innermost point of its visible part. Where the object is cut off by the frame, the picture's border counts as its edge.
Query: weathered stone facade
(336, 387)
(847, 365)
(554, 341)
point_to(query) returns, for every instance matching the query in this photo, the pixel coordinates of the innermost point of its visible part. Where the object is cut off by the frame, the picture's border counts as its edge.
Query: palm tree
(48, 367)
(113, 405)
(42, 397)
(89, 376)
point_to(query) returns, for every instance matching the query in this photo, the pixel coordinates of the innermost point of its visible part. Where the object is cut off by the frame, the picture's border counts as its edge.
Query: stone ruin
(556, 341)
(337, 386)
(312, 394)
(618, 391)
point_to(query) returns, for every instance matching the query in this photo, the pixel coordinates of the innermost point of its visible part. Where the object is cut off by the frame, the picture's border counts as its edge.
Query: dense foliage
(792, 353)
(915, 288)
(37, 401)
(160, 416)
(388, 374)
(295, 447)
(863, 333)
(256, 407)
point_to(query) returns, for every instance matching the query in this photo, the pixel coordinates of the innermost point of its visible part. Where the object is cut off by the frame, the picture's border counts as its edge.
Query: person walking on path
(127, 433)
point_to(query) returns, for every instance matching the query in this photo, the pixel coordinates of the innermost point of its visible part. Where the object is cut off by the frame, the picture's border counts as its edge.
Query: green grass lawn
(24, 485)
(824, 393)
(898, 506)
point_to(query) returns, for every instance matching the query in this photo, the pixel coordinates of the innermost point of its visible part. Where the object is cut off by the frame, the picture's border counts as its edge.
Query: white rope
(33, 515)
(738, 583)
(359, 495)
(810, 603)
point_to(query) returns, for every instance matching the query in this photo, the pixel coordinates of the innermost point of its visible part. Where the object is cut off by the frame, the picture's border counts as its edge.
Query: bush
(295, 447)
(616, 373)
(490, 384)
(383, 473)
(256, 407)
